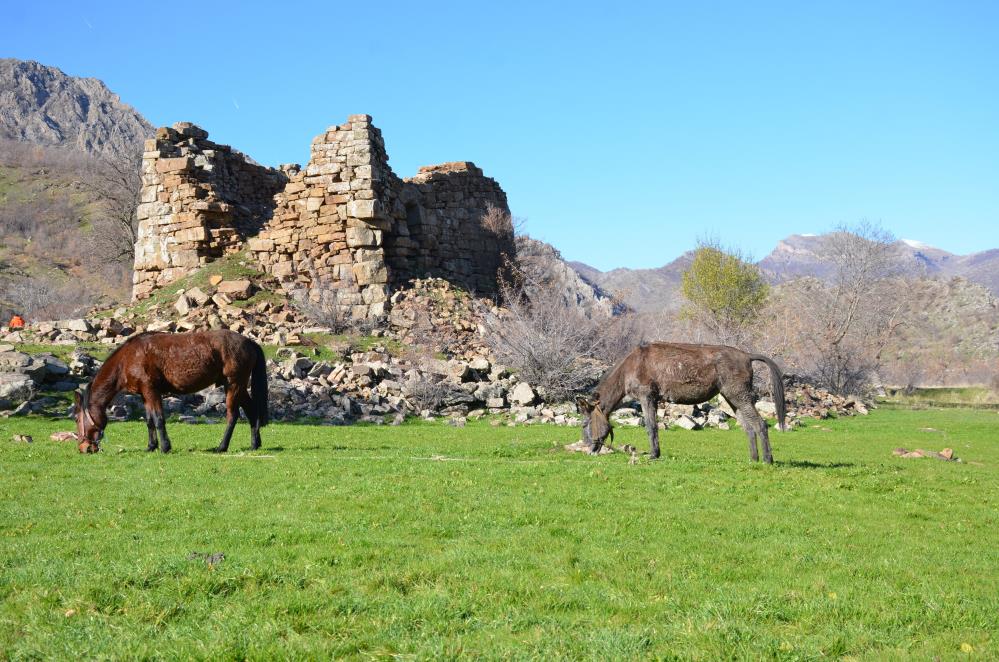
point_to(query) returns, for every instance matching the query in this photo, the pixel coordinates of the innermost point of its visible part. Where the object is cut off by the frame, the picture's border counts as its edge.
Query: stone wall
(345, 223)
(199, 201)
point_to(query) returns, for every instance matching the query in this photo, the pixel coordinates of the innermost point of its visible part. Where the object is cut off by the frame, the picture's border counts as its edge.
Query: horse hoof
(219, 449)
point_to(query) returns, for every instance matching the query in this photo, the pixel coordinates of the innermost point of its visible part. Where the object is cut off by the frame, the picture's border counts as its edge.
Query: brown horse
(154, 364)
(682, 374)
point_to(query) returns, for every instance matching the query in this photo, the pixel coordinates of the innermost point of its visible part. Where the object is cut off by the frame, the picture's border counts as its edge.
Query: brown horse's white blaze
(154, 364)
(686, 374)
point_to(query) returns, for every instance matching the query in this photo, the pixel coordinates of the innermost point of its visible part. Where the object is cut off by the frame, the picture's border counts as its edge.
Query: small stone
(236, 289)
(687, 423)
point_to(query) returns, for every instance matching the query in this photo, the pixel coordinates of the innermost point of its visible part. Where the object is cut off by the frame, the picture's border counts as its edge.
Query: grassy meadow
(427, 541)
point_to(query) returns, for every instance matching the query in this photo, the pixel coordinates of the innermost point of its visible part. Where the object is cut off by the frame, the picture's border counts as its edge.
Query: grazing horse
(682, 374)
(152, 364)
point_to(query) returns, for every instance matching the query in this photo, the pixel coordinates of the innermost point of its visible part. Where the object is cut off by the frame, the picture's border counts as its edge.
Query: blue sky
(621, 131)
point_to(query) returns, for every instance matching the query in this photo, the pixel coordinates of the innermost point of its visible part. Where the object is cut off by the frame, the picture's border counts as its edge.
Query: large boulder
(15, 389)
(522, 394)
(23, 364)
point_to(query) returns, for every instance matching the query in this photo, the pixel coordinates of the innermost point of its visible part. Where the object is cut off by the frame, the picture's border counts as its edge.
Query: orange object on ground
(16, 322)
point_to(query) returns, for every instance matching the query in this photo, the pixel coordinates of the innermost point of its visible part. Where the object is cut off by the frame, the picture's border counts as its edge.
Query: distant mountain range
(650, 290)
(43, 106)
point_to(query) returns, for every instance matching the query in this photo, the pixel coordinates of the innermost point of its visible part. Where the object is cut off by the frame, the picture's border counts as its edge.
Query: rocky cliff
(44, 106)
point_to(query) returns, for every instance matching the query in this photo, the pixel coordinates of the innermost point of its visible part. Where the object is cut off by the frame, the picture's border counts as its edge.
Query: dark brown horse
(154, 364)
(682, 374)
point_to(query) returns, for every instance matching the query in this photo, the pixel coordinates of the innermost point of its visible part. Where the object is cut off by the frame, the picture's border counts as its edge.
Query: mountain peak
(42, 105)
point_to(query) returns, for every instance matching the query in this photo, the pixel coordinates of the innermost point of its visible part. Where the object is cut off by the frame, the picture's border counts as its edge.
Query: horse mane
(109, 361)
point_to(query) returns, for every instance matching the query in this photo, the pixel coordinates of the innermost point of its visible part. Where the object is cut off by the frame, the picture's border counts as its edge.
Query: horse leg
(151, 427)
(756, 427)
(154, 410)
(649, 406)
(745, 412)
(246, 402)
(231, 415)
(765, 438)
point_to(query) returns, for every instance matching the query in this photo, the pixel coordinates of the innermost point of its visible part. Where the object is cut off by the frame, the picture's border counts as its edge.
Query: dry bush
(45, 297)
(326, 303)
(552, 342)
(836, 331)
(501, 223)
(427, 390)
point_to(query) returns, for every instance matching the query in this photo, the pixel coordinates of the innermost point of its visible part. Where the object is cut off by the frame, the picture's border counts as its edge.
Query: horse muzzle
(87, 446)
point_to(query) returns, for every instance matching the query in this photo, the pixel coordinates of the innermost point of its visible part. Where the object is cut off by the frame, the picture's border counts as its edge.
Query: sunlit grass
(431, 541)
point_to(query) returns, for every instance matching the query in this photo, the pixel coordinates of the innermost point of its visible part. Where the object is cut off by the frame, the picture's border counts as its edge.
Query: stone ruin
(345, 223)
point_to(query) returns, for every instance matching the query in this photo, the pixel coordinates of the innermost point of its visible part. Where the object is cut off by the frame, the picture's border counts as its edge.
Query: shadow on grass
(281, 449)
(807, 464)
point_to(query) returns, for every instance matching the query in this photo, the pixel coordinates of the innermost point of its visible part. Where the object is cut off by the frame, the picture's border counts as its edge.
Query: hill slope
(41, 105)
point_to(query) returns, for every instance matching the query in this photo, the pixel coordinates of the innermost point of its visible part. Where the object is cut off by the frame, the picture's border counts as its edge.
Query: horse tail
(258, 385)
(776, 387)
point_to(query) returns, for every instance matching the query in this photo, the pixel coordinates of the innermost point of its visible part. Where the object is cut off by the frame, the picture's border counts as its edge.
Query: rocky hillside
(653, 290)
(546, 262)
(642, 290)
(41, 105)
(803, 255)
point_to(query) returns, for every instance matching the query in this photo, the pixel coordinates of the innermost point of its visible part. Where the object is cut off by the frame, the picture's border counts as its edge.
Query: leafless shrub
(426, 390)
(839, 329)
(501, 223)
(44, 297)
(550, 341)
(329, 303)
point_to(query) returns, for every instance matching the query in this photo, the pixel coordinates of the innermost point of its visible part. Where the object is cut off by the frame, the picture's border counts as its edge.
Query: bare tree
(116, 182)
(554, 343)
(843, 325)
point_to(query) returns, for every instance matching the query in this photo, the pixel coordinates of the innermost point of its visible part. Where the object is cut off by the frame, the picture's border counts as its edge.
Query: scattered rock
(63, 436)
(523, 394)
(582, 447)
(946, 454)
(236, 289)
(22, 438)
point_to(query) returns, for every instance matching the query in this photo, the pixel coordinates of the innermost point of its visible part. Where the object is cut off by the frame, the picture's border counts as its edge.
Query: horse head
(88, 431)
(596, 426)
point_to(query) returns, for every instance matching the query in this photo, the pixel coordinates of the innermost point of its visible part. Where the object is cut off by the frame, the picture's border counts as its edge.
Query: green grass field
(427, 541)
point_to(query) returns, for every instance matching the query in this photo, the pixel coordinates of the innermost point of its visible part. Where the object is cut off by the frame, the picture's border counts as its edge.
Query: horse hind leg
(756, 428)
(231, 415)
(246, 402)
(649, 406)
(151, 427)
(748, 417)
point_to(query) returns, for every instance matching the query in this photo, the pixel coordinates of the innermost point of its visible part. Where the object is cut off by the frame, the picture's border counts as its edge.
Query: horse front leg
(154, 409)
(650, 404)
(231, 416)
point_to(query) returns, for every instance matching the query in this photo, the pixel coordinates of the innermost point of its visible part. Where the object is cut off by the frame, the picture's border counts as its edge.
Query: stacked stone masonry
(199, 201)
(345, 223)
